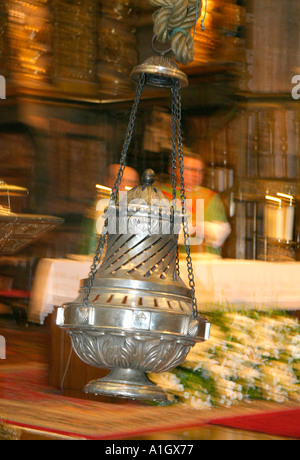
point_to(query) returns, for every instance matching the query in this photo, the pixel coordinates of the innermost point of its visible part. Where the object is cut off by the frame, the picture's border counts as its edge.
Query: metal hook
(158, 51)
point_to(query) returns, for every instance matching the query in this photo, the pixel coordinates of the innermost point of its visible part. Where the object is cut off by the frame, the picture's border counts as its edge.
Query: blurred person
(92, 223)
(215, 229)
(130, 177)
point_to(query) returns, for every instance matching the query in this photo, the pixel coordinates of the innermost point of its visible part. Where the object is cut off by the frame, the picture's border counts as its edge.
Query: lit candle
(275, 218)
(289, 224)
(280, 234)
(270, 224)
(289, 216)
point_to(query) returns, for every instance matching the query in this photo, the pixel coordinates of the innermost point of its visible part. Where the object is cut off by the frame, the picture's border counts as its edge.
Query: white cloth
(247, 283)
(216, 233)
(56, 281)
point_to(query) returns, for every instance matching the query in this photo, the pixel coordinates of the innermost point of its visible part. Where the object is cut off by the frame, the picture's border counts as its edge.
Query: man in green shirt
(208, 224)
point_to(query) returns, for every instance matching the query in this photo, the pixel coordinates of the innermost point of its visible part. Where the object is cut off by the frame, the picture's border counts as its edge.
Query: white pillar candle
(280, 233)
(289, 222)
(270, 224)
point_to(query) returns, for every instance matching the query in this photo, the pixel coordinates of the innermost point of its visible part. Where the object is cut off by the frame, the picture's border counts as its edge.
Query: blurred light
(284, 195)
(273, 198)
(102, 187)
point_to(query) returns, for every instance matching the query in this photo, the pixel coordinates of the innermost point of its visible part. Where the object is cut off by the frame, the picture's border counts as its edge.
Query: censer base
(126, 383)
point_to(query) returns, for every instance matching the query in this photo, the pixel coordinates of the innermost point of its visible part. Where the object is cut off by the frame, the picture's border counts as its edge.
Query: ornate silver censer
(134, 314)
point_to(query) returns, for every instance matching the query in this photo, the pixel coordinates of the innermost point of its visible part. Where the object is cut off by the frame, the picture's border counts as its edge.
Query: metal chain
(129, 132)
(174, 151)
(176, 101)
(174, 166)
(115, 189)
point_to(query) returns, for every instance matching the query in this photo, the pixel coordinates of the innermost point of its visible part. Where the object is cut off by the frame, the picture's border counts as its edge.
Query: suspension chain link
(115, 189)
(129, 132)
(176, 101)
(174, 167)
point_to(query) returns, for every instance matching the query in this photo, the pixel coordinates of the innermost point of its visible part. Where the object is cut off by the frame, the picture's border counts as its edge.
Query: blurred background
(67, 67)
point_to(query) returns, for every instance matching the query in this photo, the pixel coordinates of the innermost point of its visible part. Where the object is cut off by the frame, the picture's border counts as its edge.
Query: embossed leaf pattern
(110, 350)
(84, 348)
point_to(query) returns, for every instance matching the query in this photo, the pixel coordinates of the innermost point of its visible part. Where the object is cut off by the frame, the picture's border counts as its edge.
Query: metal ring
(161, 52)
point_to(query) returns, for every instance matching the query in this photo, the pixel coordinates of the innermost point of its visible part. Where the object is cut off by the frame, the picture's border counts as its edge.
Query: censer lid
(146, 193)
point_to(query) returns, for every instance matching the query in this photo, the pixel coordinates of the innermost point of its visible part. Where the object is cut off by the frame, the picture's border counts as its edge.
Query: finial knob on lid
(148, 177)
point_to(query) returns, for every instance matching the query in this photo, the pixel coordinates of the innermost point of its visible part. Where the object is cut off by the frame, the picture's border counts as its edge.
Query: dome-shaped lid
(147, 194)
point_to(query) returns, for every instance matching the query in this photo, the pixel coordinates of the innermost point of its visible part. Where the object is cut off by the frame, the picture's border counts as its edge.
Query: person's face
(193, 171)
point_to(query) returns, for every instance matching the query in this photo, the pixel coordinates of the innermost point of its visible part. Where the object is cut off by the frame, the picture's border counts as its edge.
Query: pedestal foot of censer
(127, 383)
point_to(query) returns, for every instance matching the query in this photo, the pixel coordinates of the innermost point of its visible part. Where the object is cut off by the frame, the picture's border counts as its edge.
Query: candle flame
(273, 198)
(102, 187)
